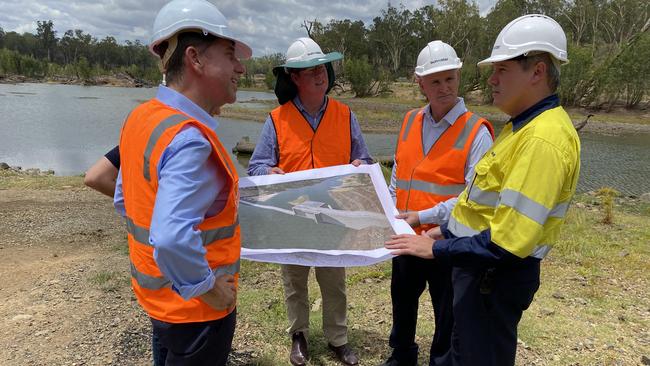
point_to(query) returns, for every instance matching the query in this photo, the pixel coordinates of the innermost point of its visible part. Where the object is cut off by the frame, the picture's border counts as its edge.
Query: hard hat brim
(242, 50)
(439, 69)
(492, 59)
(330, 57)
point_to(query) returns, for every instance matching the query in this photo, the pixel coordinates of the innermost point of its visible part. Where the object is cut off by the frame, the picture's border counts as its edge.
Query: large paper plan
(337, 217)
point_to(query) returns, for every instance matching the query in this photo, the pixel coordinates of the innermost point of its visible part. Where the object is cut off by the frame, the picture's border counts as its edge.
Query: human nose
(239, 67)
(492, 80)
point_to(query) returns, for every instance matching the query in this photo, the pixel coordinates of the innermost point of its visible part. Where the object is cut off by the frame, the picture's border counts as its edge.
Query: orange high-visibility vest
(423, 181)
(145, 135)
(300, 147)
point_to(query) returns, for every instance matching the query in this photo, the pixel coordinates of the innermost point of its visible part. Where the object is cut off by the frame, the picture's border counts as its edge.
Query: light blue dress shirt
(431, 132)
(190, 188)
(266, 151)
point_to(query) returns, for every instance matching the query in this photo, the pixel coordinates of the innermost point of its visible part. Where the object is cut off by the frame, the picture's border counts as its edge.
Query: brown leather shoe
(298, 355)
(345, 354)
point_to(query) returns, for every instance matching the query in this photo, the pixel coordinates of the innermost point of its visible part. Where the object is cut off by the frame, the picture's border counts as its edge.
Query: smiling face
(312, 81)
(221, 71)
(441, 89)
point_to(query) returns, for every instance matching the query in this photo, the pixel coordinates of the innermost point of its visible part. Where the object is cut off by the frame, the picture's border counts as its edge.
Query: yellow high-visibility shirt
(522, 186)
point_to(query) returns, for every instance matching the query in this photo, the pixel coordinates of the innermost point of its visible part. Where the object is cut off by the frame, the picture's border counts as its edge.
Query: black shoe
(345, 354)
(298, 355)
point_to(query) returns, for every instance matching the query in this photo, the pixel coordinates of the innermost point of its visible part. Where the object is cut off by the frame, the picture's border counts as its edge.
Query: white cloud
(267, 26)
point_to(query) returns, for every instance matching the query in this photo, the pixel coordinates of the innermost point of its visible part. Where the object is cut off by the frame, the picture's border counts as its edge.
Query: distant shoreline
(376, 115)
(116, 80)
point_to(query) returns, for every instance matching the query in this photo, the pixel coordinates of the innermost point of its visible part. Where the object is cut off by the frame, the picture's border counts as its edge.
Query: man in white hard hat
(505, 223)
(310, 130)
(437, 149)
(177, 188)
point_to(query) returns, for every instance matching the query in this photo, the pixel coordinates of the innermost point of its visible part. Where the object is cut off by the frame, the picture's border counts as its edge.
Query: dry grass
(592, 307)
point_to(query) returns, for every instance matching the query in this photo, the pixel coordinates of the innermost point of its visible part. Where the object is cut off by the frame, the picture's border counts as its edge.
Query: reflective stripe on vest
(442, 190)
(464, 134)
(155, 135)
(461, 230)
(410, 122)
(141, 234)
(157, 283)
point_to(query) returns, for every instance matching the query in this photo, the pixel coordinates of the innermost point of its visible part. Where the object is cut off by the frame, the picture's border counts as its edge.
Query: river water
(67, 128)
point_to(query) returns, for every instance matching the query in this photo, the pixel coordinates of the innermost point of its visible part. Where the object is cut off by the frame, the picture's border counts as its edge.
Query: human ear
(192, 58)
(539, 72)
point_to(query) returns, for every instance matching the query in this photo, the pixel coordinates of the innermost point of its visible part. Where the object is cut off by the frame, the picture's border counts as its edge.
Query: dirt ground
(66, 299)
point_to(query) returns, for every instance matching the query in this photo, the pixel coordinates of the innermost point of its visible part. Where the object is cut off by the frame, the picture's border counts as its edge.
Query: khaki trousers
(332, 287)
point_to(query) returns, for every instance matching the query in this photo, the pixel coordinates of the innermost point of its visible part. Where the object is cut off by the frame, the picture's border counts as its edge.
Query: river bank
(119, 79)
(384, 115)
(64, 261)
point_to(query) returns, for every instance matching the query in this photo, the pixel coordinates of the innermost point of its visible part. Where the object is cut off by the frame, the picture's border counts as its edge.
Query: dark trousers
(488, 304)
(189, 344)
(409, 279)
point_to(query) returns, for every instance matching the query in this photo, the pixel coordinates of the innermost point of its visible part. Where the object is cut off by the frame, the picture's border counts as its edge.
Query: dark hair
(552, 71)
(174, 72)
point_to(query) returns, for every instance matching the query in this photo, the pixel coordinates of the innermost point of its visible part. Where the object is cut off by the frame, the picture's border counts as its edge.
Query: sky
(268, 26)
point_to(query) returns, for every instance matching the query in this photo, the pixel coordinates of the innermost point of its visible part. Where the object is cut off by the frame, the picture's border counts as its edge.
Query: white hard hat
(304, 53)
(201, 15)
(435, 57)
(526, 34)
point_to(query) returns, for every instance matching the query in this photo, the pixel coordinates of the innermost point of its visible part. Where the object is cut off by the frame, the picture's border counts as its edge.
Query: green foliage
(269, 79)
(84, 70)
(609, 45)
(577, 82)
(360, 75)
(13, 63)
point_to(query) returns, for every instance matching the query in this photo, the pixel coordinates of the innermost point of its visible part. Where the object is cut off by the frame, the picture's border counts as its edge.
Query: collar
(456, 111)
(302, 109)
(182, 103)
(526, 116)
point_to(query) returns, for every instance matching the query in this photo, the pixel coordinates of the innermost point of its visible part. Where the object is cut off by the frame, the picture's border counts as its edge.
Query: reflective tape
(168, 122)
(525, 206)
(541, 251)
(209, 236)
(460, 230)
(409, 122)
(559, 211)
(149, 282)
(485, 198)
(157, 283)
(464, 134)
(441, 190)
(531, 209)
(141, 234)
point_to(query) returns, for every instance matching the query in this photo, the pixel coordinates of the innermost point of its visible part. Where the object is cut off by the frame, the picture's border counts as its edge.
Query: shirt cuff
(428, 216)
(188, 292)
(444, 230)
(441, 249)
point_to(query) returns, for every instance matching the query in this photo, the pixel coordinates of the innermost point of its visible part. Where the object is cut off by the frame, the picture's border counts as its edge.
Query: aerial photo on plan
(336, 213)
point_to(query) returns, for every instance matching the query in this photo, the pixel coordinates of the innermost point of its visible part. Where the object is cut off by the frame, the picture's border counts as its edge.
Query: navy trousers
(193, 344)
(409, 279)
(488, 304)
